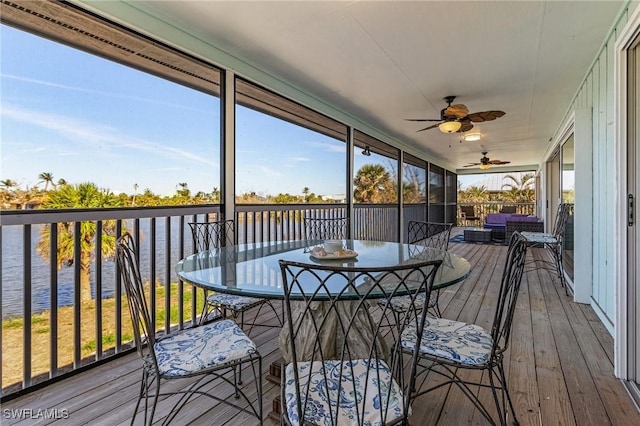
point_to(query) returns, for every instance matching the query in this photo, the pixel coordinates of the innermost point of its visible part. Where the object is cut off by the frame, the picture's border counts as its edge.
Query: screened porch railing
(58, 332)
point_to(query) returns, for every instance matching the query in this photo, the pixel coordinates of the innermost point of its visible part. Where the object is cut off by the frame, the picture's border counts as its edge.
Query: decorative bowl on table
(321, 253)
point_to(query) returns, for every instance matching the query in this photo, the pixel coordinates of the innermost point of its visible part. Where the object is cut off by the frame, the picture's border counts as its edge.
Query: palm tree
(84, 195)
(305, 191)
(373, 184)
(47, 178)
(62, 182)
(184, 191)
(135, 192)
(8, 184)
(476, 194)
(520, 190)
(524, 182)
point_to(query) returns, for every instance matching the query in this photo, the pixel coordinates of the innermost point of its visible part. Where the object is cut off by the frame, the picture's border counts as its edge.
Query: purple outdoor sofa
(502, 225)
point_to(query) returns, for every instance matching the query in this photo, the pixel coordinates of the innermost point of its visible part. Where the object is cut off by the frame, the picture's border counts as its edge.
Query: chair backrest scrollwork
(143, 329)
(211, 235)
(330, 323)
(509, 290)
(429, 234)
(325, 228)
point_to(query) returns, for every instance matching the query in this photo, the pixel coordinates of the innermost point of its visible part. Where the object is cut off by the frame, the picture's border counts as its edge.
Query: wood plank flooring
(559, 364)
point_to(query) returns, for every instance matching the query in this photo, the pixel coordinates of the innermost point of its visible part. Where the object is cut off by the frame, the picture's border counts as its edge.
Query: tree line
(374, 183)
(370, 185)
(514, 190)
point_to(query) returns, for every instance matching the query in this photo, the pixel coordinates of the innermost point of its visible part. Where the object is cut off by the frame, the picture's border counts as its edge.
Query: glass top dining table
(253, 269)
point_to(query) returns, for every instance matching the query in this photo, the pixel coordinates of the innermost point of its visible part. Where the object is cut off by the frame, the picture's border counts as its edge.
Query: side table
(477, 235)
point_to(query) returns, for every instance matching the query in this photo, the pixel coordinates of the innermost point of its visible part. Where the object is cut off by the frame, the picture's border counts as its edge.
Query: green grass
(17, 322)
(108, 339)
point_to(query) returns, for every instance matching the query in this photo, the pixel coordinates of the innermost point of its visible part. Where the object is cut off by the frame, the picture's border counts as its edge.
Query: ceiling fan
(456, 118)
(486, 163)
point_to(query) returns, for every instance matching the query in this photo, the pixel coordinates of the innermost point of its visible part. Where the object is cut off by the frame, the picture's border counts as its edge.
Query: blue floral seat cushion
(316, 405)
(467, 344)
(232, 301)
(539, 237)
(193, 350)
(404, 303)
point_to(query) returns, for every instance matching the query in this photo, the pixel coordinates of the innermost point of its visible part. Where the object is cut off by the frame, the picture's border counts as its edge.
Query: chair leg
(155, 401)
(143, 384)
(557, 257)
(437, 306)
(505, 389)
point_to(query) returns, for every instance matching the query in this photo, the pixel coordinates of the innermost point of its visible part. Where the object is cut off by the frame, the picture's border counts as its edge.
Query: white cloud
(329, 146)
(97, 135)
(97, 92)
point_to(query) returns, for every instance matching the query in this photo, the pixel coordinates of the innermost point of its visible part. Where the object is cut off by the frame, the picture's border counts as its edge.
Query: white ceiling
(384, 61)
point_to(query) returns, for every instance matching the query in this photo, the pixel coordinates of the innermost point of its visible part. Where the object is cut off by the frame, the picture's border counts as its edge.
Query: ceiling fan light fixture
(485, 166)
(472, 137)
(449, 126)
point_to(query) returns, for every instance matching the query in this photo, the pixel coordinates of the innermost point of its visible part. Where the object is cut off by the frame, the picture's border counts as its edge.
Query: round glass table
(253, 269)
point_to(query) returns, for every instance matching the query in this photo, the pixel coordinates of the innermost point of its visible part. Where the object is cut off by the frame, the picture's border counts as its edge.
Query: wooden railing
(483, 209)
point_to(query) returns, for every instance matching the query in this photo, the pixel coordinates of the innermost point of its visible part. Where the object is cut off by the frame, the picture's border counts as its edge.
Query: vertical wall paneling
(583, 156)
(610, 178)
(602, 173)
(597, 94)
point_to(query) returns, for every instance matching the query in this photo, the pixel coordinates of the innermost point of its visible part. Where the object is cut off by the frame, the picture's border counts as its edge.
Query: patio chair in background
(552, 242)
(212, 235)
(428, 234)
(447, 348)
(325, 229)
(200, 354)
(469, 215)
(508, 209)
(342, 370)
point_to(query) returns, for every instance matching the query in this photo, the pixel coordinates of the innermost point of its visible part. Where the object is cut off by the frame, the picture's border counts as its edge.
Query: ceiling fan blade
(422, 119)
(430, 127)
(479, 117)
(472, 164)
(466, 126)
(498, 162)
(458, 111)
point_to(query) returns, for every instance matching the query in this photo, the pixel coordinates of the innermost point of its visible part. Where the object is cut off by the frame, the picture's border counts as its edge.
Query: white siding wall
(597, 95)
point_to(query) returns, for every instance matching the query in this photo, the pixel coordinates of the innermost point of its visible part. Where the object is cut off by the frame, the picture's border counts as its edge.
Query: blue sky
(83, 118)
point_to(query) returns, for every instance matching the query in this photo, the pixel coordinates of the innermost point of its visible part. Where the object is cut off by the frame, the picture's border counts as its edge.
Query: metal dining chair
(200, 355)
(552, 242)
(427, 234)
(325, 228)
(449, 349)
(212, 235)
(469, 215)
(343, 368)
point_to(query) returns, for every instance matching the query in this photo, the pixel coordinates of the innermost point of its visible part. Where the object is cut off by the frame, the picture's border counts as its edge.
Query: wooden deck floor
(559, 366)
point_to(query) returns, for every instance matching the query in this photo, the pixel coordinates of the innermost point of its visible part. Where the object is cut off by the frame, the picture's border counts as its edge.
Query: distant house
(336, 198)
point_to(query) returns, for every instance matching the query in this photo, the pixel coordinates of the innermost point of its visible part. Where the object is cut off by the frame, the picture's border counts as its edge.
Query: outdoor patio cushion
(317, 407)
(232, 301)
(502, 218)
(192, 350)
(458, 341)
(403, 303)
(539, 237)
